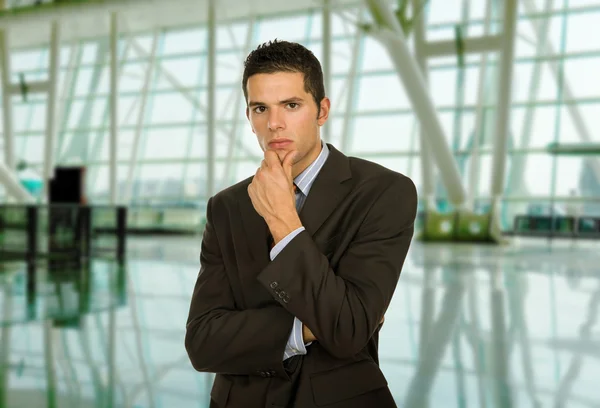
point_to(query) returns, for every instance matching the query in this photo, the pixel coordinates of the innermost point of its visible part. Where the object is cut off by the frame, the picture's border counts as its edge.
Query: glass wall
(556, 98)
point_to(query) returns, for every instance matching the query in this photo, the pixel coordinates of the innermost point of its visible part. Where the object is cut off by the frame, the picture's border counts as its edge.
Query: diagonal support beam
(392, 37)
(13, 188)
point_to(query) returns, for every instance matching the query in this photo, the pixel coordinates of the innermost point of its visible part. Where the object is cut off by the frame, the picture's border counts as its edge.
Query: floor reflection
(468, 327)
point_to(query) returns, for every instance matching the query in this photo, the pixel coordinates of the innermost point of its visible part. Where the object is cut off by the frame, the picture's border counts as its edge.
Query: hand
(307, 335)
(272, 194)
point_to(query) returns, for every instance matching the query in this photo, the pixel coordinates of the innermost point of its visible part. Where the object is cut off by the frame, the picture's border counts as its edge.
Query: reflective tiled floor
(470, 326)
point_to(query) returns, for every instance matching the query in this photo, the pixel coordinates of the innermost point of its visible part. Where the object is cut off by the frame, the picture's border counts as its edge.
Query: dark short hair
(283, 56)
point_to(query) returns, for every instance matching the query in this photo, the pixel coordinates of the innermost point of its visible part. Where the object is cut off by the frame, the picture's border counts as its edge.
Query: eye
(259, 109)
(293, 105)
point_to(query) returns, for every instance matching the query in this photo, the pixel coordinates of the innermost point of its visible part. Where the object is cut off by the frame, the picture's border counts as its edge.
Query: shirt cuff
(282, 244)
(295, 344)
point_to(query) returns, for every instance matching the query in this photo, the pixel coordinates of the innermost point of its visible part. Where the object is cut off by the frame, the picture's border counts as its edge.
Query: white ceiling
(87, 20)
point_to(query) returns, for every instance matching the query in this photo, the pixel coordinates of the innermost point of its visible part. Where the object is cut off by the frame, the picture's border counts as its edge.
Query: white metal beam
(392, 37)
(114, 102)
(50, 135)
(504, 109)
(32, 87)
(479, 130)
(211, 99)
(9, 137)
(428, 171)
(473, 45)
(326, 130)
(84, 20)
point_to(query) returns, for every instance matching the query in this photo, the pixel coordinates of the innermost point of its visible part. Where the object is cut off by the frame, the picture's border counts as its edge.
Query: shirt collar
(305, 180)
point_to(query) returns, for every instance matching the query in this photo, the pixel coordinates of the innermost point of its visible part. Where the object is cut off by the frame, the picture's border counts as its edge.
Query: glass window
(541, 124)
(187, 72)
(166, 143)
(383, 133)
(580, 27)
(440, 11)
(170, 108)
(289, 28)
(188, 41)
(28, 60)
(582, 75)
(372, 97)
(234, 35)
(230, 67)
(375, 56)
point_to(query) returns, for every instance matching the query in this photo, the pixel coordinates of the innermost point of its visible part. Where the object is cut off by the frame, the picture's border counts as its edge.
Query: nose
(276, 121)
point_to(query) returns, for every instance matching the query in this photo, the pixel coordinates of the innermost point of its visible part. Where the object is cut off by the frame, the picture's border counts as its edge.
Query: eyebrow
(294, 99)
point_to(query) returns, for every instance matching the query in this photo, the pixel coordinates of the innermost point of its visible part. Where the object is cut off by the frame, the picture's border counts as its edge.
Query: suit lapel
(327, 191)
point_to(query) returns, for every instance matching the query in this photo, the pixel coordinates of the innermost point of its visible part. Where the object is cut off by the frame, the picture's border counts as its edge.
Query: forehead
(276, 86)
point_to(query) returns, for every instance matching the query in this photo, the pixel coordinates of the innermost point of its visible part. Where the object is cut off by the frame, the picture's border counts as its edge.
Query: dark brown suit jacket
(337, 277)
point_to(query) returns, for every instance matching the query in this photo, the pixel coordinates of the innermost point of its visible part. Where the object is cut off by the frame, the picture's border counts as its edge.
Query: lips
(280, 143)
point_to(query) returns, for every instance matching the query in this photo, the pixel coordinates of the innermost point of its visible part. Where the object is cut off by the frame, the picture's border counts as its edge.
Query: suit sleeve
(221, 339)
(343, 308)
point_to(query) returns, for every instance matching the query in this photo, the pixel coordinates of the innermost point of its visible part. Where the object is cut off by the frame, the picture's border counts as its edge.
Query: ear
(324, 114)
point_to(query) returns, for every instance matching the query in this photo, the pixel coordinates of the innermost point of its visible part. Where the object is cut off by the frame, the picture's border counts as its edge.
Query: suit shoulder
(365, 171)
(231, 193)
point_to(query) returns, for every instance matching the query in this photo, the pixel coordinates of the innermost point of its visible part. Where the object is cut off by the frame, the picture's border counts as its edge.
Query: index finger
(271, 158)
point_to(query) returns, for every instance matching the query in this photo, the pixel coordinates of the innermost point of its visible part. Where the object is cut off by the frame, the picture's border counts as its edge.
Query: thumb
(288, 162)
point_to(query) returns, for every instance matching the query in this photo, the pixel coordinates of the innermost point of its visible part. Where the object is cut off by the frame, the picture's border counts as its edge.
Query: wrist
(281, 227)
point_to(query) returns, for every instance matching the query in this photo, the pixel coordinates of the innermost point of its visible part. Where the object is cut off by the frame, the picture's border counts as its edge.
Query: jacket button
(274, 285)
(264, 374)
(282, 294)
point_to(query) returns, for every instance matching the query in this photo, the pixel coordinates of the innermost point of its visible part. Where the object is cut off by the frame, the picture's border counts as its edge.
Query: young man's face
(284, 116)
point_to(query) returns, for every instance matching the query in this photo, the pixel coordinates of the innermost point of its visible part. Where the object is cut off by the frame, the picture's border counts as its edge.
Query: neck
(306, 161)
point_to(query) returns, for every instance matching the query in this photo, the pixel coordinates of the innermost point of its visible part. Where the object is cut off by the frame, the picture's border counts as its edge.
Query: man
(299, 262)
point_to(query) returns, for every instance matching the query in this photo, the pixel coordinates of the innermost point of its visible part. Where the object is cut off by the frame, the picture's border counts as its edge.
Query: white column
(392, 36)
(113, 103)
(210, 109)
(504, 107)
(479, 115)
(51, 118)
(326, 135)
(9, 145)
(427, 166)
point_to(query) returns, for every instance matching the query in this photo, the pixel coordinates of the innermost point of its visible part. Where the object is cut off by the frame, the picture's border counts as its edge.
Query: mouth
(279, 143)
